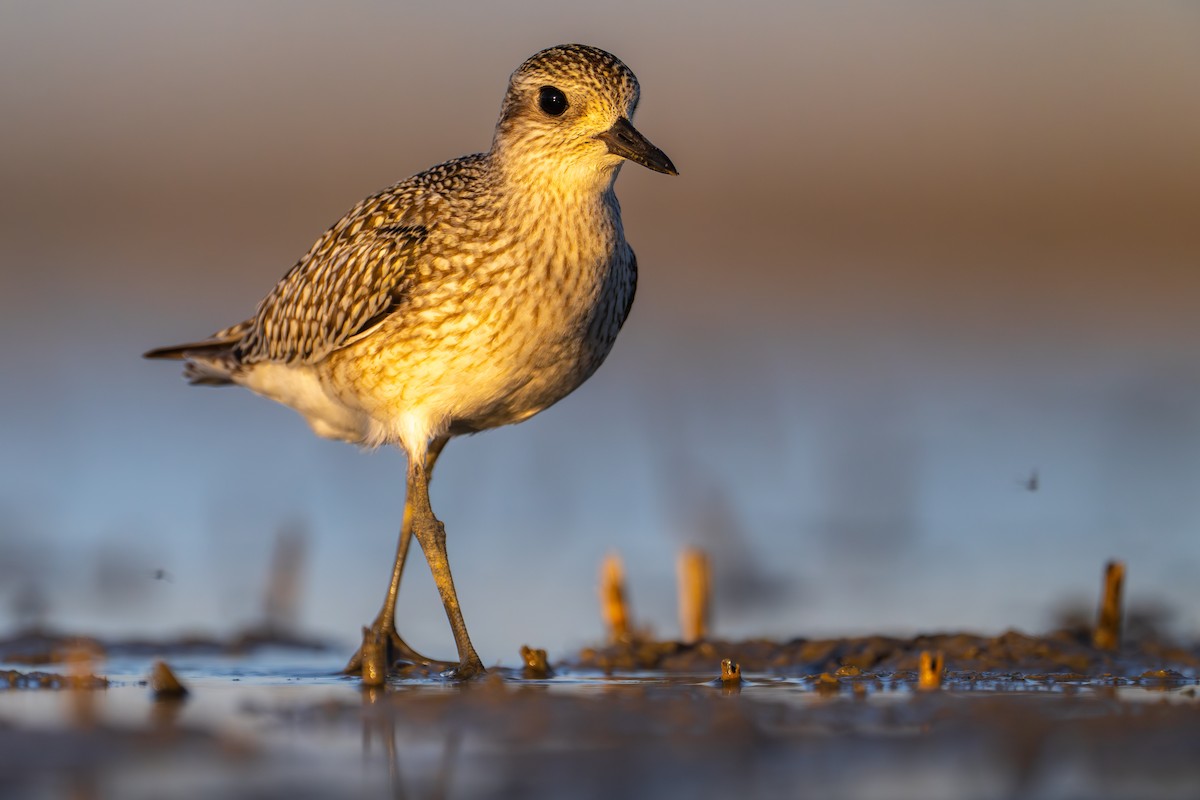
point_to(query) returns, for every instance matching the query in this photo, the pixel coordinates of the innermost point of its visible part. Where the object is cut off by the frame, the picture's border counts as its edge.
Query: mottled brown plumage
(472, 295)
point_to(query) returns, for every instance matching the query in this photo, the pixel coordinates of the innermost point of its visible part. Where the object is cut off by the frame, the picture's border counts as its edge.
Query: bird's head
(567, 112)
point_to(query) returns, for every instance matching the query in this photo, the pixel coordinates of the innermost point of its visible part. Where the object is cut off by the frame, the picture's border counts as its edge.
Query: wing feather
(352, 278)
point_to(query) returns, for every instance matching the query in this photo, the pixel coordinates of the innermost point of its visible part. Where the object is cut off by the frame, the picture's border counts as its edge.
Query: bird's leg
(432, 536)
(384, 626)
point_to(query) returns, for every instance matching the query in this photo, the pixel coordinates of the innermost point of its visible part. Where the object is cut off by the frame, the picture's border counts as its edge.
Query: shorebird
(469, 296)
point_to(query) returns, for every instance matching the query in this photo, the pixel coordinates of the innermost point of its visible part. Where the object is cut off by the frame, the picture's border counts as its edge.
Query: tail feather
(209, 363)
(179, 352)
(208, 373)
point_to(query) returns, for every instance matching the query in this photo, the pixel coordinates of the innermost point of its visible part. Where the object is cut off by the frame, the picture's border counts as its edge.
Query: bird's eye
(552, 101)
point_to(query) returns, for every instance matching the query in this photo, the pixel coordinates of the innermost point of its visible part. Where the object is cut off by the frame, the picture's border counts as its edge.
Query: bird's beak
(624, 140)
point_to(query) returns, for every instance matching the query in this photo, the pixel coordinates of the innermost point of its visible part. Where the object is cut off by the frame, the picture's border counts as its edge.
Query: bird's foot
(384, 650)
(466, 670)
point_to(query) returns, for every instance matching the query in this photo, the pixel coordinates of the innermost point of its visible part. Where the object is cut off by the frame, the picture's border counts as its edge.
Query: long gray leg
(383, 629)
(432, 535)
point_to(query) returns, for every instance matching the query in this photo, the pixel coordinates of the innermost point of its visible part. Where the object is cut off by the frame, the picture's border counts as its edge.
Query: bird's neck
(527, 174)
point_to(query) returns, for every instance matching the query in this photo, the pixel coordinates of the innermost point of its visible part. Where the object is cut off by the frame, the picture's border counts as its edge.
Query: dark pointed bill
(624, 140)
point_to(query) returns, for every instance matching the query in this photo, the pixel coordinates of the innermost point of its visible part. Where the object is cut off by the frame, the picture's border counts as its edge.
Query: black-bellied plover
(469, 296)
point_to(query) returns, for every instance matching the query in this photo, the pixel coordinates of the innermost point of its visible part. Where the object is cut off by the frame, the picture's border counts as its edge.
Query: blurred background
(915, 344)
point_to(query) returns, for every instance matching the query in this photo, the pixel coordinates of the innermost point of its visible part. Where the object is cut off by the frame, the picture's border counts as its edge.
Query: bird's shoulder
(362, 268)
(425, 201)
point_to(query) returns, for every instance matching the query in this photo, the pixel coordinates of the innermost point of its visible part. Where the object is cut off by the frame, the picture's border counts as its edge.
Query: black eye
(552, 101)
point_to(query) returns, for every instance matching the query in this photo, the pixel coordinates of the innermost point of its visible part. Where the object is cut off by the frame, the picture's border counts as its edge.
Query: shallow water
(277, 725)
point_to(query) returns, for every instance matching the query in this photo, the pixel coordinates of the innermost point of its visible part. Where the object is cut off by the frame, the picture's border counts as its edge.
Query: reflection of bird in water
(472, 295)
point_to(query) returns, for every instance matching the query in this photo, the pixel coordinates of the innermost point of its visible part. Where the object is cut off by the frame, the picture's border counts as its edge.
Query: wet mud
(39, 646)
(1009, 716)
(14, 679)
(1065, 655)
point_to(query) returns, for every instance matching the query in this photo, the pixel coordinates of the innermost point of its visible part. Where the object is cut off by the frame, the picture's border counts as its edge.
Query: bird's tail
(212, 362)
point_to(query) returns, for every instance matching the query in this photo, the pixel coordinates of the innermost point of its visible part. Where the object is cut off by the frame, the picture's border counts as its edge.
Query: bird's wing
(351, 279)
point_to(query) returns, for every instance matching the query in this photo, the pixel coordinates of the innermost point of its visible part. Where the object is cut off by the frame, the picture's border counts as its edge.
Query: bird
(469, 296)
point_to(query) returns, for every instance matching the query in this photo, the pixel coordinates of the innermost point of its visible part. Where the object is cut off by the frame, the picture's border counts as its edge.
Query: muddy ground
(1015, 716)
